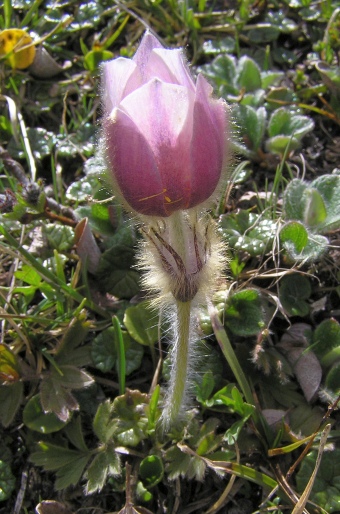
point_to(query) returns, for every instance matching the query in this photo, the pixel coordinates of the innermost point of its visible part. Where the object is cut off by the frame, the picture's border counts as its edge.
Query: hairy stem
(179, 368)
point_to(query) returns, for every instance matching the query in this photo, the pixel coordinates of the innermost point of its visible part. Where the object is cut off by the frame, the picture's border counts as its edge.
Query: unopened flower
(164, 139)
(164, 134)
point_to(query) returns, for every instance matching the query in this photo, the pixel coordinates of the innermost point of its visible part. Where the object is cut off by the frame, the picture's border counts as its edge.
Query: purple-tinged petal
(147, 45)
(207, 145)
(120, 77)
(163, 113)
(169, 66)
(135, 170)
(217, 107)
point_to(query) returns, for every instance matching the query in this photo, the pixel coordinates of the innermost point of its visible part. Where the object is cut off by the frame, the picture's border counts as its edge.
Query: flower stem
(179, 368)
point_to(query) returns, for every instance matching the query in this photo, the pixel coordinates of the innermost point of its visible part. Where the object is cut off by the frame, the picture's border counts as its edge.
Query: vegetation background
(82, 358)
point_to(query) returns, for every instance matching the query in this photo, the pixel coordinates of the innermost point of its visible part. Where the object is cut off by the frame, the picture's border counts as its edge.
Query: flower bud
(164, 134)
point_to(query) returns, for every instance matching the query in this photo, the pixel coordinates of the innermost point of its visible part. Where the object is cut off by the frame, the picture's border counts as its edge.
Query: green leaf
(294, 290)
(141, 322)
(314, 203)
(243, 313)
(326, 489)
(209, 361)
(94, 58)
(328, 186)
(98, 216)
(7, 480)
(71, 473)
(251, 124)
(106, 463)
(232, 434)
(262, 34)
(326, 338)
(73, 337)
(281, 144)
(74, 378)
(11, 397)
(41, 143)
(104, 351)
(205, 387)
(74, 433)
(83, 141)
(59, 237)
(103, 423)
(152, 410)
(269, 78)
(293, 207)
(294, 233)
(9, 366)
(114, 273)
(249, 74)
(80, 190)
(219, 46)
(39, 421)
(28, 275)
(179, 464)
(332, 380)
(151, 470)
(97, 473)
(285, 123)
(53, 457)
(207, 440)
(56, 399)
(293, 237)
(223, 72)
(131, 419)
(315, 210)
(248, 232)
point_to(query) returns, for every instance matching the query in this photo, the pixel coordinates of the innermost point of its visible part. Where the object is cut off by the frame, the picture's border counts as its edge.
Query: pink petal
(142, 55)
(163, 113)
(133, 164)
(120, 77)
(208, 142)
(169, 66)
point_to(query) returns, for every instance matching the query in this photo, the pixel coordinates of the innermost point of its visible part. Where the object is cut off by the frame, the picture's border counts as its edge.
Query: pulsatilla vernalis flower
(164, 134)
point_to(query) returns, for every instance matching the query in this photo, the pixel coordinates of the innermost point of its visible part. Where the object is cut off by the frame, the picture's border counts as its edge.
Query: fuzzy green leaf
(293, 237)
(293, 208)
(103, 424)
(104, 464)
